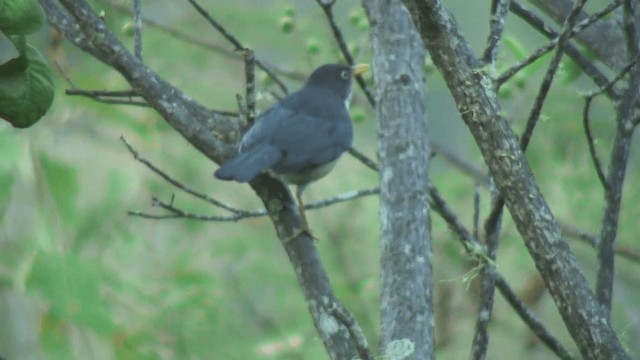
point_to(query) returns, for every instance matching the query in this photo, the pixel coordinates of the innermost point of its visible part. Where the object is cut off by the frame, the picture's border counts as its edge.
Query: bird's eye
(345, 74)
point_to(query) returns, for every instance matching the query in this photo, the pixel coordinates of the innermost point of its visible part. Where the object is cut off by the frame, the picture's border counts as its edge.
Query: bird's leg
(304, 229)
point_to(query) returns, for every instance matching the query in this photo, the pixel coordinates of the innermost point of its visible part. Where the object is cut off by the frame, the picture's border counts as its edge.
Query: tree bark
(82, 27)
(476, 100)
(604, 39)
(403, 151)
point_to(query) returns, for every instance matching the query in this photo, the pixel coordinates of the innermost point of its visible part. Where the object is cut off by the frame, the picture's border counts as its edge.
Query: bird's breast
(309, 174)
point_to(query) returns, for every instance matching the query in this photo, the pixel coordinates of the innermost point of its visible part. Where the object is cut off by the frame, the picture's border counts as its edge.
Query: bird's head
(336, 78)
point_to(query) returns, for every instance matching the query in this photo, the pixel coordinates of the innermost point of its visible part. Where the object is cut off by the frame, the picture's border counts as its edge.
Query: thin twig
(622, 73)
(532, 321)
(179, 185)
(476, 213)
(103, 93)
(591, 143)
(499, 11)
(64, 74)
(138, 29)
(238, 213)
(492, 227)
(554, 64)
(238, 46)
(493, 222)
(188, 38)
(244, 214)
(109, 97)
(346, 196)
(537, 23)
(363, 159)
(339, 311)
(177, 213)
(440, 206)
(472, 170)
(327, 7)
(627, 252)
(472, 246)
(250, 80)
(619, 158)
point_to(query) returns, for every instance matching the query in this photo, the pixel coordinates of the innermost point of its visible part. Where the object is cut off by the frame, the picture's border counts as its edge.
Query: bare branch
(339, 311)
(472, 170)
(627, 111)
(190, 39)
(475, 249)
(250, 80)
(534, 115)
(529, 317)
(137, 35)
(363, 159)
(537, 23)
(109, 97)
(586, 124)
(499, 11)
(494, 221)
(238, 46)
(605, 39)
(244, 214)
(476, 213)
(478, 105)
(327, 7)
(177, 183)
(177, 213)
(597, 164)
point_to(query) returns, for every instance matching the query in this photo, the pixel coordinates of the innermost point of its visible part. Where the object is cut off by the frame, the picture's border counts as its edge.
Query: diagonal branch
(327, 7)
(537, 23)
(475, 249)
(499, 11)
(494, 221)
(501, 150)
(80, 25)
(627, 111)
(236, 43)
(605, 40)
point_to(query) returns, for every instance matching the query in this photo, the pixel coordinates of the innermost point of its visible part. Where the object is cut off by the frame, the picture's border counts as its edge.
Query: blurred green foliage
(80, 279)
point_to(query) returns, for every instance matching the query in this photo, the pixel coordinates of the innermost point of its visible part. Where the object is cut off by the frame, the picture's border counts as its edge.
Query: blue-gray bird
(300, 138)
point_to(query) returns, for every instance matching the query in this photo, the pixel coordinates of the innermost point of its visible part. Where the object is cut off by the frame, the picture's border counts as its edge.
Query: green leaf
(63, 186)
(26, 86)
(570, 71)
(515, 47)
(20, 17)
(72, 287)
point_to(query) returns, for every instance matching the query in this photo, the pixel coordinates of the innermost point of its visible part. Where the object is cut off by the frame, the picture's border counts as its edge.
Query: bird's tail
(249, 164)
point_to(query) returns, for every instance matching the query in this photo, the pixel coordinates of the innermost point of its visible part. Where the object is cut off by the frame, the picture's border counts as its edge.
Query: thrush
(302, 136)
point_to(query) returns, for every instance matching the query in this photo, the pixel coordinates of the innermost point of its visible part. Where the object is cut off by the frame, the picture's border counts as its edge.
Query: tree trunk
(403, 151)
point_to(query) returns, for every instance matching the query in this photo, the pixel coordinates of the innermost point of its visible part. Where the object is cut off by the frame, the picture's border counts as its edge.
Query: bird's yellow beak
(359, 69)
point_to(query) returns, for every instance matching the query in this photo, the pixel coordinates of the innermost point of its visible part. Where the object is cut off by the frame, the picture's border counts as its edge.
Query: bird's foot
(299, 232)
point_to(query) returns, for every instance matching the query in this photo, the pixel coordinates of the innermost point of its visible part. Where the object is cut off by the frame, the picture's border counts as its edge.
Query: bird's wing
(303, 135)
(262, 130)
(312, 136)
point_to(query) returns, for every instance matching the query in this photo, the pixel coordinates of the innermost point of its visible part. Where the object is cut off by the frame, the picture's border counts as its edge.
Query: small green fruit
(286, 24)
(128, 29)
(313, 47)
